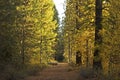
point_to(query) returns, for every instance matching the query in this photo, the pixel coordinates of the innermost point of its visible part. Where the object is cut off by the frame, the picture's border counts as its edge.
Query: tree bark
(98, 38)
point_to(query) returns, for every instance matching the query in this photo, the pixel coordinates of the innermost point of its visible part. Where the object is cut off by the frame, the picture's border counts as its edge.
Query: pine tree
(110, 34)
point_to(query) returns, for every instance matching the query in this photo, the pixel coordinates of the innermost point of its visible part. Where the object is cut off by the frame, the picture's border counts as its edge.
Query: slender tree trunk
(98, 38)
(87, 53)
(77, 13)
(23, 46)
(69, 49)
(41, 40)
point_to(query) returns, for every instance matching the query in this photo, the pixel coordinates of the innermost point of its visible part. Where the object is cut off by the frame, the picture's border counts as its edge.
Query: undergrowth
(10, 72)
(89, 73)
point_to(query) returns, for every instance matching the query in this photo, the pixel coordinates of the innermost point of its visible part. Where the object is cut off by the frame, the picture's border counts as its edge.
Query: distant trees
(59, 47)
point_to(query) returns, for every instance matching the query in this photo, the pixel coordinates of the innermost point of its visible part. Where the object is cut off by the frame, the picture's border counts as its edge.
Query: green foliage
(7, 30)
(79, 34)
(111, 41)
(27, 31)
(59, 46)
(79, 30)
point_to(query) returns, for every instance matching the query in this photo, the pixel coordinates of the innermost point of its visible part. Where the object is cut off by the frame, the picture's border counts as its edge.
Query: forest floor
(62, 71)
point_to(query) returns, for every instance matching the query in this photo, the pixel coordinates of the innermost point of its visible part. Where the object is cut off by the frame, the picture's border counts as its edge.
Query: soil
(62, 71)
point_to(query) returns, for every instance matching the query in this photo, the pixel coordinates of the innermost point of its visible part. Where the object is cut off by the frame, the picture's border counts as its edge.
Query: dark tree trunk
(98, 38)
(87, 54)
(23, 46)
(78, 58)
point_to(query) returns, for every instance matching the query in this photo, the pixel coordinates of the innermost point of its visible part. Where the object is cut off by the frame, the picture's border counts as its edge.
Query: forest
(31, 39)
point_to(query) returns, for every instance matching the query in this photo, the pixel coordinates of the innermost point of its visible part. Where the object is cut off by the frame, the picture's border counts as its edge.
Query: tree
(45, 29)
(25, 27)
(7, 31)
(79, 29)
(98, 39)
(110, 34)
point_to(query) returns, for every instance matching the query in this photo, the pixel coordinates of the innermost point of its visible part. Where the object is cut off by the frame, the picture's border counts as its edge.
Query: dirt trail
(58, 72)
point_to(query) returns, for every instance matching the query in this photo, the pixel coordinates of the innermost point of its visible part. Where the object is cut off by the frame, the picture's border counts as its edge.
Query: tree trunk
(77, 14)
(41, 40)
(87, 53)
(23, 46)
(69, 49)
(98, 38)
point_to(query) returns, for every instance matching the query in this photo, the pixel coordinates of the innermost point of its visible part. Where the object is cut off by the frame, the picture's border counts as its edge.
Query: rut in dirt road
(57, 72)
